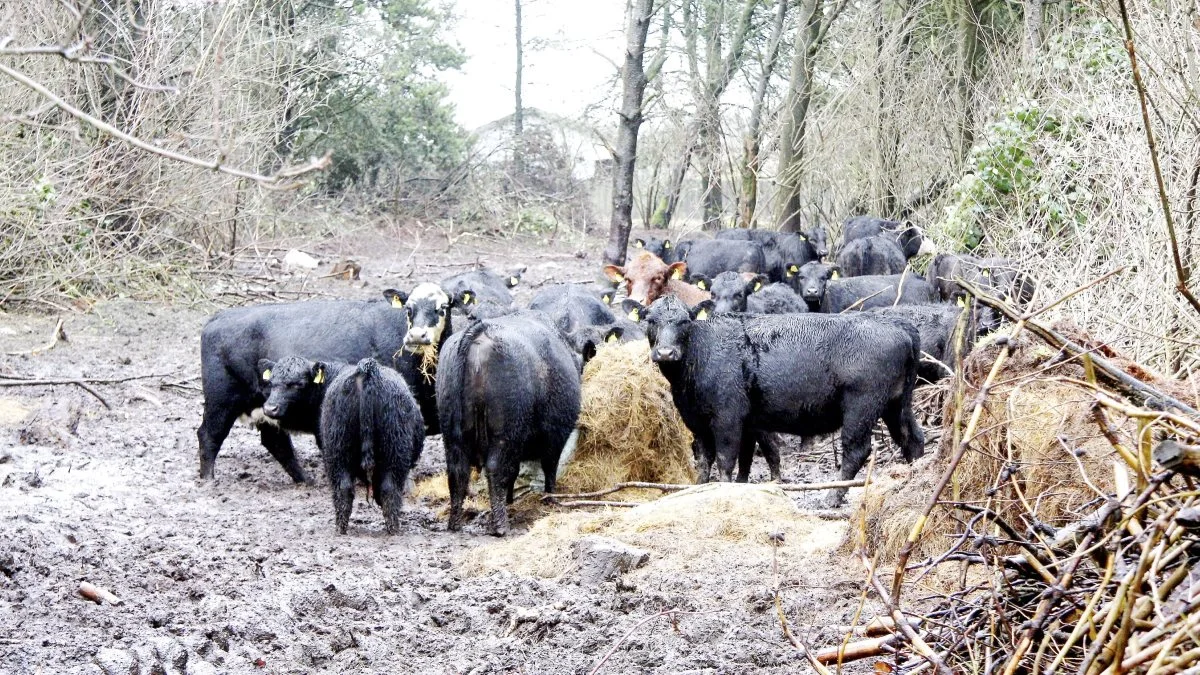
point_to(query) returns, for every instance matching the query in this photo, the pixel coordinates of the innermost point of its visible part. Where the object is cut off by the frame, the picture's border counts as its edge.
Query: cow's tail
(366, 381)
(452, 380)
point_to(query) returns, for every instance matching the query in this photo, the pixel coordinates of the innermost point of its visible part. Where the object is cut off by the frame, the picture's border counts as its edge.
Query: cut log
(1174, 456)
(857, 650)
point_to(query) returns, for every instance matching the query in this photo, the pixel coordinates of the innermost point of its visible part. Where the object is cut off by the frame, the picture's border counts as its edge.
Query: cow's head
(817, 240)
(587, 340)
(428, 310)
(730, 289)
(809, 280)
(668, 324)
(646, 276)
(659, 247)
(291, 382)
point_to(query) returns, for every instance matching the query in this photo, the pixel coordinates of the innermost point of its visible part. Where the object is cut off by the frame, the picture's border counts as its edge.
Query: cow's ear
(318, 373)
(793, 270)
(666, 244)
(464, 298)
(607, 297)
(264, 369)
(678, 270)
(397, 298)
(703, 283)
(613, 334)
(639, 243)
(633, 309)
(614, 273)
(702, 311)
(769, 243)
(987, 273)
(755, 285)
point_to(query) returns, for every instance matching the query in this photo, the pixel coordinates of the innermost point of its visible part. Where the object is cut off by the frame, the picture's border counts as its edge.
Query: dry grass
(1020, 462)
(683, 530)
(629, 429)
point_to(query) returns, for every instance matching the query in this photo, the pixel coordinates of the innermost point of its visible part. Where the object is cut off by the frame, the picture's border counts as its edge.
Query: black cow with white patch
(733, 376)
(371, 432)
(876, 255)
(508, 391)
(824, 290)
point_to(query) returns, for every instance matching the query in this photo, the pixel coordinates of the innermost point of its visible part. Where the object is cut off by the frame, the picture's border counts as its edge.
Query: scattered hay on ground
(1036, 448)
(682, 530)
(629, 429)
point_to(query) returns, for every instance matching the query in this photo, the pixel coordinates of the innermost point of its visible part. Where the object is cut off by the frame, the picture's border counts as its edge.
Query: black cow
(999, 275)
(371, 431)
(710, 257)
(730, 290)
(573, 306)
(876, 255)
(822, 288)
(909, 237)
(659, 247)
(235, 340)
(734, 375)
(486, 285)
(775, 299)
(937, 325)
(508, 391)
(782, 250)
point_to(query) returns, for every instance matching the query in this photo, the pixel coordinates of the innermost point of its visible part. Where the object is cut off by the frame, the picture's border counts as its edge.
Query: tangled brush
(629, 429)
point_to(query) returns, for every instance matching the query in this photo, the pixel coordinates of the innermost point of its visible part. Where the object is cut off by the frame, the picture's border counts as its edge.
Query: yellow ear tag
(702, 315)
(319, 378)
(961, 302)
(468, 298)
(677, 274)
(638, 243)
(987, 273)
(611, 338)
(757, 286)
(513, 281)
(792, 269)
(803, 238)
(633, 314)
(701, 285)
(666, 244)
(267, 375)
(397, 302)
(620, 277)
(835, 275)
(606, 298)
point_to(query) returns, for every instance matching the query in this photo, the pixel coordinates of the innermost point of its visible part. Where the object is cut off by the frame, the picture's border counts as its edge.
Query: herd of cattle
(755, 334)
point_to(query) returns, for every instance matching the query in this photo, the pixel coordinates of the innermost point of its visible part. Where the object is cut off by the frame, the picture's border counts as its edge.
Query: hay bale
(629, 429)
(700, 527)
(1020, 461)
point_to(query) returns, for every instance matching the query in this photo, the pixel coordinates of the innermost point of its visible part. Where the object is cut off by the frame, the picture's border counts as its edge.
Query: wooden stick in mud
(97, 594)
(675, 487)
(857, 650)
(58, 336)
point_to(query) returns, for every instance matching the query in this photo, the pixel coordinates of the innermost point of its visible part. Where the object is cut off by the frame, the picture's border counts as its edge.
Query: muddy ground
(246, 575)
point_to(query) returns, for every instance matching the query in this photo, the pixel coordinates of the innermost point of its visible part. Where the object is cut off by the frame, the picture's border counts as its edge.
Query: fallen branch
(83, 383)
(666, 612)
(675, 487)
(97, 594)
(588, 502)
(58, 336)
(857, 650)
(1106, 371)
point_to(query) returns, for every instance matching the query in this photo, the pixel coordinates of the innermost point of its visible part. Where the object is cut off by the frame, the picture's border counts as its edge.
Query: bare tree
(519, 109)
(1033, 29)
(968, 72)
(633, 89)
(752, 144)
(704, 135)
(810, 35)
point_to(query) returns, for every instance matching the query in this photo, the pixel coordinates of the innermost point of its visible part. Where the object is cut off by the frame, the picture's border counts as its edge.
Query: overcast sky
(571, 49)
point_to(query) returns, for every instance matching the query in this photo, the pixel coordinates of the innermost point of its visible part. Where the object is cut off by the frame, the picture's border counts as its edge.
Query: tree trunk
(791, 147)
(1033, 30)
(519, 110)
(752, 144)
(633, 88)
(968, 56)
(710, 176)
(675, 188)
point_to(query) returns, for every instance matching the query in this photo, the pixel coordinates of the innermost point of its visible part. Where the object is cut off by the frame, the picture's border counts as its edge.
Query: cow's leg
(745, 458)
(768, 445)
(219, 417)
(905, 430)
(727, 441)
(391, 498)
(341, 482)
(458, 475)
(501, 476)
(856, 443)
(279, 443)
(704, 452)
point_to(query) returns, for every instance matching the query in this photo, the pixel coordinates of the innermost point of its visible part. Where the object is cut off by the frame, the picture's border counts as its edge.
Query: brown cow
(647, 278)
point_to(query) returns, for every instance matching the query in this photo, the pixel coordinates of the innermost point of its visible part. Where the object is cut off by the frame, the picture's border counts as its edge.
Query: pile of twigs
(1115, 592)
